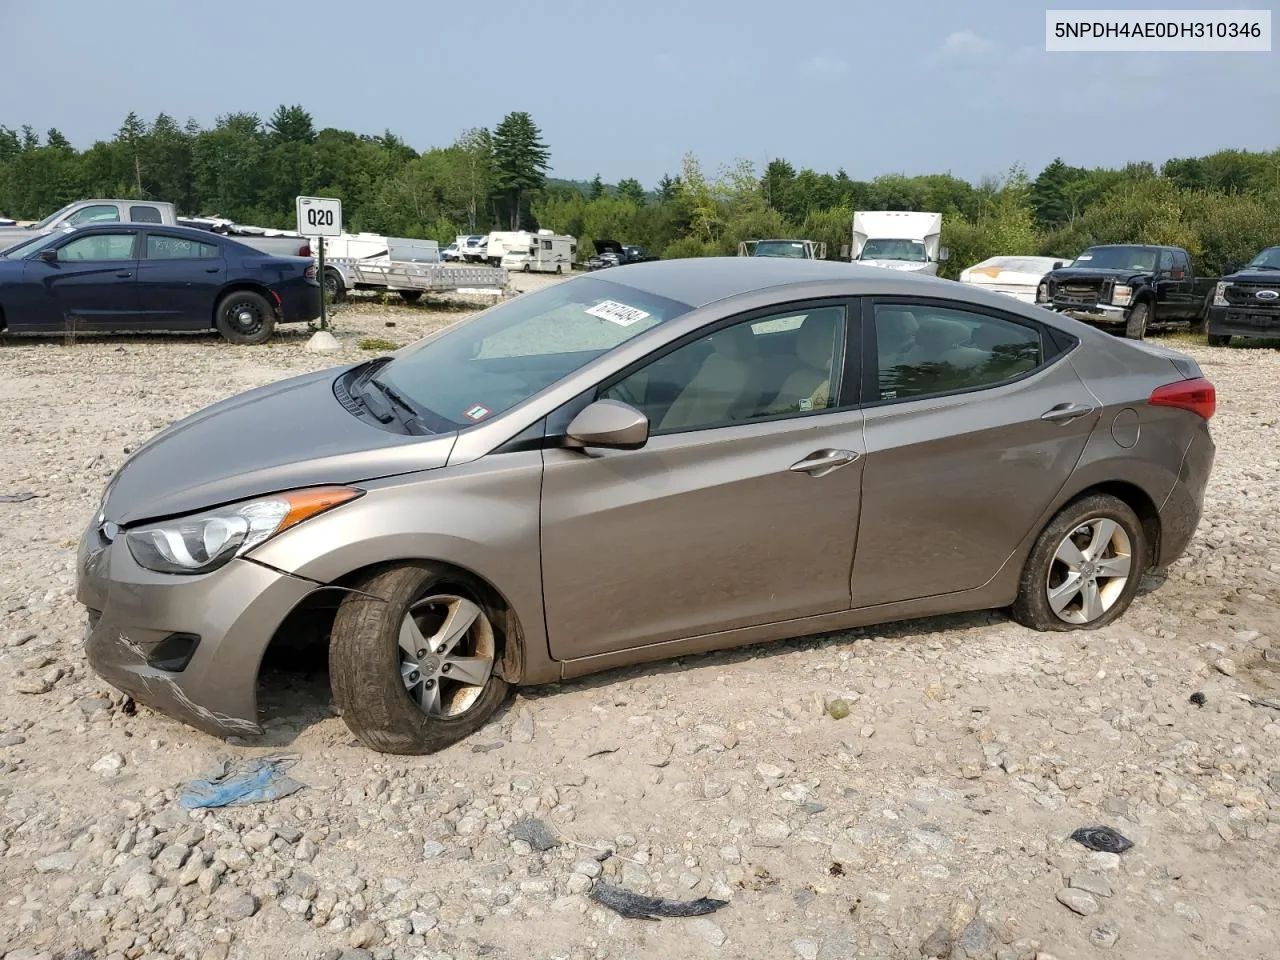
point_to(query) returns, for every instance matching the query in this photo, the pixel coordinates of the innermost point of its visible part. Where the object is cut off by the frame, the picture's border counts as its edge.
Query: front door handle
(124, 276)
(821, 462)
(212, 269)
(1065, 412)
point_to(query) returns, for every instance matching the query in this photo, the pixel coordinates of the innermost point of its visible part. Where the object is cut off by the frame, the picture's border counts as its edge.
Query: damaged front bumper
(1089, 313)
(188, 646)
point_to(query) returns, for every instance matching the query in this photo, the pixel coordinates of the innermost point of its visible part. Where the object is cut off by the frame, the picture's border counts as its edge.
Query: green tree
(597, 189)
(520, 160)
(631, 190)
(291, 125)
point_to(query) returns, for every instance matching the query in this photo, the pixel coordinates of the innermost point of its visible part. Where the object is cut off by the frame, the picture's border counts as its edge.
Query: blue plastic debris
(251, 781)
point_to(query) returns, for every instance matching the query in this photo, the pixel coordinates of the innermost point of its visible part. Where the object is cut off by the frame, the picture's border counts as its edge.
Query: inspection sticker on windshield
(476, 413)
(618, 313)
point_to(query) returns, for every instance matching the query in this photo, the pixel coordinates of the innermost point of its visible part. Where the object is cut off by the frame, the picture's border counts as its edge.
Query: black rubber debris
(1198, 698)
(17, 497)
(536, 834)
(637, 907)
(1102, 839)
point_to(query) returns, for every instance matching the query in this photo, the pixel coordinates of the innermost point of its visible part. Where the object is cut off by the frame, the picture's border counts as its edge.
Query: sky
(624, 89)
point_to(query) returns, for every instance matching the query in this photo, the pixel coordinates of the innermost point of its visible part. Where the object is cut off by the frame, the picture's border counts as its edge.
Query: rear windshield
(515, 350)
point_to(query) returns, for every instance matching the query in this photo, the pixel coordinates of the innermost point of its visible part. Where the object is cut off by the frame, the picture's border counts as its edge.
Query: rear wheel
(1135, 327)
(1219, 339)
(244, 317)
(416, 672)
(1085, 567)
(335, 288)
(410, 296)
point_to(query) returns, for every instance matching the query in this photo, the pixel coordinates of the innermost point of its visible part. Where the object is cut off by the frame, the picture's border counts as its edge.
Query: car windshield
(28, 247)
(912, 250)
(779, 248)
(1118, 258)
(1268, 259)
(515, 350)
(48, 221)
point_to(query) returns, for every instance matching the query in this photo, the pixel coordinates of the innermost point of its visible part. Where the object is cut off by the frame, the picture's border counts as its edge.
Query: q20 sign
(319, 216)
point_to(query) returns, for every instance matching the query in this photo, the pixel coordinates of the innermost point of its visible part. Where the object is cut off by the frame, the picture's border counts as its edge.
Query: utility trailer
(345, 252)
(796, 249)
(412, 280)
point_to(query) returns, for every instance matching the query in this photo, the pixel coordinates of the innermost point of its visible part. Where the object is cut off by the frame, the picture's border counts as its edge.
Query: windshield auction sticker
(618, 313)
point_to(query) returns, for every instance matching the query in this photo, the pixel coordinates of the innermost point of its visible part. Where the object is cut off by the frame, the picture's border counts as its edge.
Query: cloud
(825, 66)
(965, 45)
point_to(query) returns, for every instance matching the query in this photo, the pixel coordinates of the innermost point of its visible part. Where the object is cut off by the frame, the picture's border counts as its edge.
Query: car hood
(1256, 276)
(904, 265)
(285, 435)
(1095, 273)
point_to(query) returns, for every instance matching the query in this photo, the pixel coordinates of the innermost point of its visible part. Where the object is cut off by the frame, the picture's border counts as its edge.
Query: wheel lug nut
(421, 654)
(445, 668)
(430, 684)
(414, 676)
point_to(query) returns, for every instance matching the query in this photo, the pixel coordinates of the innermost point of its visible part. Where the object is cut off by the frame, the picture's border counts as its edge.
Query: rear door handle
(124, 276)
(1064, 412)
(821, 462)
(212, 269)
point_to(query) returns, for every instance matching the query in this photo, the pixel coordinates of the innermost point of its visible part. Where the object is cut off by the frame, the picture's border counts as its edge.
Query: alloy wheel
(446, 647)
(1090, 570)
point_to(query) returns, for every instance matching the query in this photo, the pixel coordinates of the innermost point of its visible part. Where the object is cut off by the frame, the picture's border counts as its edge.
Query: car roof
(699, 281)
(195, 233)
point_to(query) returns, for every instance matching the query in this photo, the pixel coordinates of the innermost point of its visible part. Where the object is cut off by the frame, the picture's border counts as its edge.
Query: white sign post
(320, 217)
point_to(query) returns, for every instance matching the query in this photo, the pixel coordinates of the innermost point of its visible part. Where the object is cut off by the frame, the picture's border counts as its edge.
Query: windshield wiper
(414, 417)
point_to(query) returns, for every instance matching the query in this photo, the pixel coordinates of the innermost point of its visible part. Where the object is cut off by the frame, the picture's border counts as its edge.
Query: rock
(241, 907)
(578, 883)
(535, 833)
(1078, 901)
(771, 833)
(33, 686)
(522, 728)
(432, 849)
(713, 789)
(768, 771)
(108, 766)
(1091, 883)
(805, 949)
(306, 850)
(12, 739)
(57, 862)
(937, 944)
(322, 341)
(709, 932)
(588, 868)
(976, 940)
(366, 934)
(421, 923)
(1103, 937)
(140, 886)
(1225, 666)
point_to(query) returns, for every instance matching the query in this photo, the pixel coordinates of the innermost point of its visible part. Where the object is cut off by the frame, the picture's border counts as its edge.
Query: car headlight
(204, 542)
(1042, 293)
(1121, 294)
(1220, 294)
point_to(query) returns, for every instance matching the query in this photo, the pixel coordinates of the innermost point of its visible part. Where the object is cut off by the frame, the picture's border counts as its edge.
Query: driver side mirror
(944, 254)
(1177, 273)
(1058, 264)
(48, 256)
(611, 424)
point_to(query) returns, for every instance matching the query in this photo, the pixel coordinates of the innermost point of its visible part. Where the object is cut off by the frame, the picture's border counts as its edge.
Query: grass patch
(377, 343)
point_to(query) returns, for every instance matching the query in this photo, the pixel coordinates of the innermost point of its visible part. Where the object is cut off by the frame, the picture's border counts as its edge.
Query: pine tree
(597, 189)
(630, 189)
(520, 160)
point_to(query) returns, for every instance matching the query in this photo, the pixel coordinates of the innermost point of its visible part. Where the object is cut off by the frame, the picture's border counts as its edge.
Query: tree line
(1222, 207)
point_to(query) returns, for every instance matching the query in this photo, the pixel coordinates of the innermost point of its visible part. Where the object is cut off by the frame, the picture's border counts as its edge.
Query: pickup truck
(796, 249)
(1246, 302)
(1134, 285)
(611, 253)
(276, 243)
(90, 211)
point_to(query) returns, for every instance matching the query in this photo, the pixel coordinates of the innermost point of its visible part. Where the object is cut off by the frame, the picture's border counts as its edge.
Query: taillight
(304, 250)
(1196, 395)
(310, 272)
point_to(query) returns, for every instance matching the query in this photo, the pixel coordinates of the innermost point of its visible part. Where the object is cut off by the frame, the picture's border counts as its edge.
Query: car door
(975, 419)
(179, 279)
(93, 281)
(741, 509)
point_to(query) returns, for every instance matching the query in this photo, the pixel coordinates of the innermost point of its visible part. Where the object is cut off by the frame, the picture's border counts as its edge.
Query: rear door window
(140, 213)
(162, 247)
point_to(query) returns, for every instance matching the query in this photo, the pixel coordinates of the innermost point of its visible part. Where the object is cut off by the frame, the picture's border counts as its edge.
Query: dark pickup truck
(1246, 302)
(1131, 284)
(610, 253)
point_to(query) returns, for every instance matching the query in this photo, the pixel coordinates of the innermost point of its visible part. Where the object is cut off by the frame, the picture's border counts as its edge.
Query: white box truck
(898, 240)
(546, 253)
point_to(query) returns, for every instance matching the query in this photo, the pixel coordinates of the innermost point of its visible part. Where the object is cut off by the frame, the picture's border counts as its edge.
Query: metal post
(324, 297)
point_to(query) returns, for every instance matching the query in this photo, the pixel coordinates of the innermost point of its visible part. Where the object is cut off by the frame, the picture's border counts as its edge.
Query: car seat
(716, 393)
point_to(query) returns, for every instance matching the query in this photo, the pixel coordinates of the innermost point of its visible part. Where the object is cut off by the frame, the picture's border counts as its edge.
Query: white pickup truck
(90, 211)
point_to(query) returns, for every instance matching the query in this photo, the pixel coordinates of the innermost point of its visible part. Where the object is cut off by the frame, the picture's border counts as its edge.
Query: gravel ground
(932, 820)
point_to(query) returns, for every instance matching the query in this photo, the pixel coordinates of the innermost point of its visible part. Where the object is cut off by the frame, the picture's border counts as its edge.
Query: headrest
(735, 343)
(938, 334)
(815, 344)
(895, 327)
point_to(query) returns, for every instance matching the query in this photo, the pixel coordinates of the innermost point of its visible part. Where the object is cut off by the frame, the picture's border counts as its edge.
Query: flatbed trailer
(412, 280)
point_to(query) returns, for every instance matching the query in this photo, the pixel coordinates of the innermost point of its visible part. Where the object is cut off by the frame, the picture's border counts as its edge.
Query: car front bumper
(137, 619)
(1245, 322)
(1090, 313)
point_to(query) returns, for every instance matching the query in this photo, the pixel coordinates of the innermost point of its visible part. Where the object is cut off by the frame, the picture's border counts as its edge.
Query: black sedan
(148, 277)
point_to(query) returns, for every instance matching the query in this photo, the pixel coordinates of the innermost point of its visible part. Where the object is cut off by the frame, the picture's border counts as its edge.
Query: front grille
(1083, 293)
(1246, 295)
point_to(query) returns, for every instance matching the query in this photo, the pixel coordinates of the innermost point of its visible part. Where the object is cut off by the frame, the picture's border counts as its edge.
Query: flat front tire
(417, 670)
(1085, 567)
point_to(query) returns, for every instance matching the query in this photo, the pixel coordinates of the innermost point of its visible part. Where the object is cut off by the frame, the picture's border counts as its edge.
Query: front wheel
(1135, 327)
(1219, 339)
(244, 317)
(1085, 567)
(416, 671)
